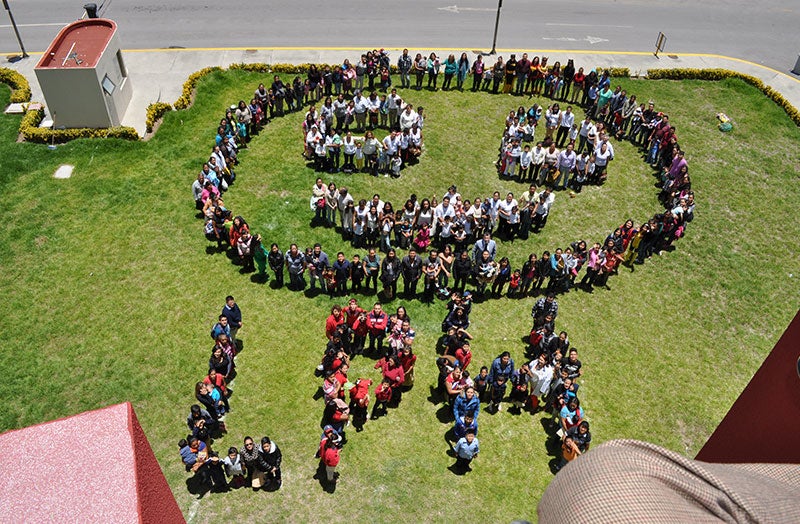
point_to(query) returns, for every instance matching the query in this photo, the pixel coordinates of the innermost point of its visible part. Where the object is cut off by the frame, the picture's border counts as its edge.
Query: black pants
(448, 79)
(279, 276)
(462, 463)
(459, 281)
(420, 75)
(590, 276)
(373, 338)
(476, 81)
(563, 133)
(410, 286)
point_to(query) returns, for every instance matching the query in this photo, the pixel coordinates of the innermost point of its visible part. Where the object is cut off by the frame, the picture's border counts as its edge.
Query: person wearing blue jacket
(467, 403)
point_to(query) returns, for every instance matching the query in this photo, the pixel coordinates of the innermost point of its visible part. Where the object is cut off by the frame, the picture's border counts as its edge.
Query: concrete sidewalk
(158, 75)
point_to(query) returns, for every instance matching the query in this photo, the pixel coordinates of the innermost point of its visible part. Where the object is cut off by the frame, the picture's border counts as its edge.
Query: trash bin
(91, 10)
(796, 69)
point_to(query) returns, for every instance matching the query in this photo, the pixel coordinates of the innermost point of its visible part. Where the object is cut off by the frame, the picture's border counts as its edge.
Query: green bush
(155, 111)
(30, 130)
(20, 88)
(185, 100)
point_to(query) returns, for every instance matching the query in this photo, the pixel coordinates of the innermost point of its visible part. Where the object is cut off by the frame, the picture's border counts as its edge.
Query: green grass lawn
(110, 296)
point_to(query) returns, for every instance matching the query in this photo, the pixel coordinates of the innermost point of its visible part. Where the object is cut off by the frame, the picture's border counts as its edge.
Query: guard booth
(83, 76)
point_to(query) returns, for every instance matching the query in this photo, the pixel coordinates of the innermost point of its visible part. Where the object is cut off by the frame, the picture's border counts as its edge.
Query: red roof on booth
(79, 45)
(756, 427)
(96, 466)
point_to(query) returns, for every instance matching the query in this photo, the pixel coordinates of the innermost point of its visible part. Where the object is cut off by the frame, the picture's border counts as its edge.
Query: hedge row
(185, 100)
(155, 111)
(20, 88)
(30, 130)
(721, 74)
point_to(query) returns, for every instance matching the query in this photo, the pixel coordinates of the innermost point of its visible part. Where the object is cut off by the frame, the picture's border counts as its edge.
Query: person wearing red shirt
(393, 371)
(383, 395)
(360, 330)
(376, 324)
(407, 360)
(335, 319)
(352, 312)
(359, 401)
(329, 454)
(218, 381)
(341, 377)
(464, 355)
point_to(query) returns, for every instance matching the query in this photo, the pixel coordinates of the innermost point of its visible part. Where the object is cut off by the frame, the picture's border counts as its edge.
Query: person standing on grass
(377, 319)
(271, 457)
(234, 315)
(329, 455)
(467, 448)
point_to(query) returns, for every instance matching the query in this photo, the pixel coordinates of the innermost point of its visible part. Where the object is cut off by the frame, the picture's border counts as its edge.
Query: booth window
(108, 85)
(122, 71)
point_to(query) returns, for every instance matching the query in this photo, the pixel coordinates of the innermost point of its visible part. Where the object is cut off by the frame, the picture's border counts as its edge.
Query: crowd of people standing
(448, 243)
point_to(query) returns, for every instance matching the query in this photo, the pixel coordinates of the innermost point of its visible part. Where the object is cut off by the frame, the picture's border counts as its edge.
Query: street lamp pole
(496, 25)
(14, 24)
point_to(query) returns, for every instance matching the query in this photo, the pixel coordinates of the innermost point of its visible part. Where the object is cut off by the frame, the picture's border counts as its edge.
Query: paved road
(757, 31)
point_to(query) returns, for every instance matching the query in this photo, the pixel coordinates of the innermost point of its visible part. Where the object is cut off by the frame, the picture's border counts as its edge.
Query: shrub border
(685, 73)
(20, 88)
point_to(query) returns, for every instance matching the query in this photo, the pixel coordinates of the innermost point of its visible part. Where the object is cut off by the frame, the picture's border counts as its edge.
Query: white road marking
(588, 25)
(456, 9)
(590, 39)
(60, 24)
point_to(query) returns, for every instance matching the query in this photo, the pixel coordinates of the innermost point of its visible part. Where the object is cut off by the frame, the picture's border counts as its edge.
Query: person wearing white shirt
(342, 201)
(408, 117)
(609, 145)
(525, 160)
(583, 166)
(587, 129)
(601, 158)
(360, 110)
(494, 203)
(373, 109)
(550, 169)
(504, 209)
(564, 126)
(551, 119)
(512, 158)
(339, 111)
(538, 161)
(566, 163)
(393, 102)
(349, 150)
(444, 209)
(544, 201)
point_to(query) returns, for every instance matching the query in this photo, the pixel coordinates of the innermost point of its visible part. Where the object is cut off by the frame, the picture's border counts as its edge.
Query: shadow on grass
(318, 394)
(459, 471)
(434, 397)
(259, 279)
(322, 477)
(444, 414)
(195, 487)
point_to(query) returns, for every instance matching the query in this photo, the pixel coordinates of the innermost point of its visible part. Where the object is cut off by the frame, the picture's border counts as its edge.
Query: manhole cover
(64, 171)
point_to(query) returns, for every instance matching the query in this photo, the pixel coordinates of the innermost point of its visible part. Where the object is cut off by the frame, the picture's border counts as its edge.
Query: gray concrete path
(158, 75)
